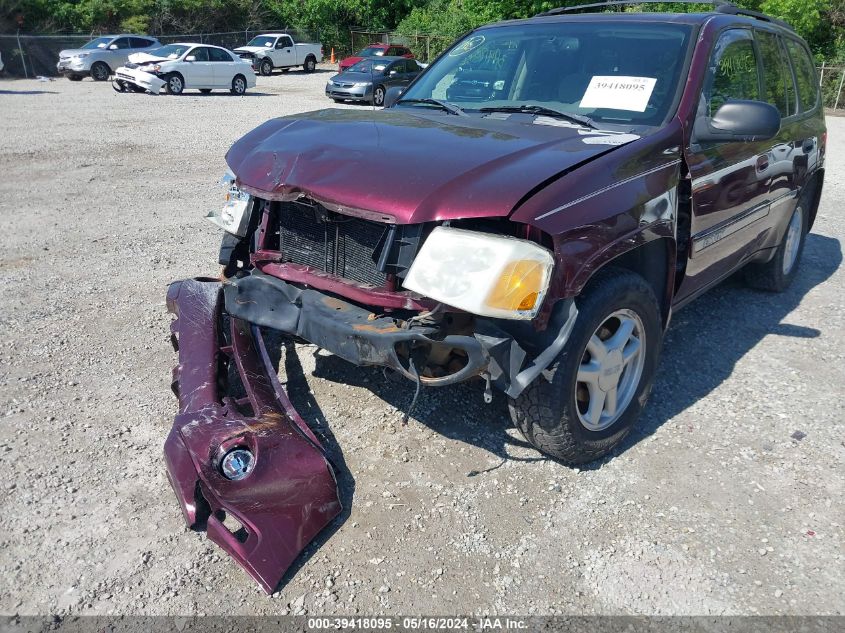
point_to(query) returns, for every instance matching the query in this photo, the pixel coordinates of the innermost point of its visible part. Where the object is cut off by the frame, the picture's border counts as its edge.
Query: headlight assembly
(234, 216)
(489, 275)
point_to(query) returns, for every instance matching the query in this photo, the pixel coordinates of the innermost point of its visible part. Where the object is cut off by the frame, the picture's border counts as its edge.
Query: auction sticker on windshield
(619, 93)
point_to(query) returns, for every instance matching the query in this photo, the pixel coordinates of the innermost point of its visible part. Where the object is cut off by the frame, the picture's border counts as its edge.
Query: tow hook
(488, 388)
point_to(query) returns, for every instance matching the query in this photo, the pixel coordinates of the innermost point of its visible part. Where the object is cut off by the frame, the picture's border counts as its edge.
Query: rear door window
(805, 75)
(218, 55)
(778, 84)
(140, 42)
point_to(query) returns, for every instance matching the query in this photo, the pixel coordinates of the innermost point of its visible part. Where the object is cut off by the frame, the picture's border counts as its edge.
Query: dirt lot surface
(714, 506)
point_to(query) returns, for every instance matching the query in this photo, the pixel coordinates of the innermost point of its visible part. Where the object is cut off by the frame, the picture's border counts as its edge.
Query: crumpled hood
(146, 58)
(414, 166)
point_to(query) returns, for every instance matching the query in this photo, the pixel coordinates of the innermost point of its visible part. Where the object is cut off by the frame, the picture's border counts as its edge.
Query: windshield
(171, 51)
(100, 42)
(372, 51)
(263, 41)
(612, 72)
(368, 66)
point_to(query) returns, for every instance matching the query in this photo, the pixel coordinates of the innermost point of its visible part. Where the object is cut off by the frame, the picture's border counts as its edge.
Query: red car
(376, 50)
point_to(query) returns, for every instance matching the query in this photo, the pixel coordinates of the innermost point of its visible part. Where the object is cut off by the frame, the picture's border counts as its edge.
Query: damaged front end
(247, 470)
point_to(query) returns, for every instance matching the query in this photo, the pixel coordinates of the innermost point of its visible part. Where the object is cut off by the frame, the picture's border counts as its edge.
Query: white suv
(101, 56)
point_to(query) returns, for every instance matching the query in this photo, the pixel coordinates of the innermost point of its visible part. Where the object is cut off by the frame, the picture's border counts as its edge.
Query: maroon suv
(528, 214)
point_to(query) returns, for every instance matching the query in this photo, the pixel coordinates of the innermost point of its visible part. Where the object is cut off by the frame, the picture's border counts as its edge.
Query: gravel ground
(714, 506)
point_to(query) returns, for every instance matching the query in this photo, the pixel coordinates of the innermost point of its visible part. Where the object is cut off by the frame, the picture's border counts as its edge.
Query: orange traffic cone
(332, 60)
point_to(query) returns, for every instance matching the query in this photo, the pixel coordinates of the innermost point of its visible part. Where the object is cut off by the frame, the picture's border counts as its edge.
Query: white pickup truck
(278, 50)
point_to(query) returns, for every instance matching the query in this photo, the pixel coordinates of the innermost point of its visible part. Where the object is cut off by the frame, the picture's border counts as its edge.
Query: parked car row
(142, 64)
(139, 63)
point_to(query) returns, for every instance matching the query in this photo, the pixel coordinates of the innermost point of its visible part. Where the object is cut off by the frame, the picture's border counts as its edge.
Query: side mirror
(393, 73)
(191, 58)
(113, 47)
(739, 121)
(392, 95)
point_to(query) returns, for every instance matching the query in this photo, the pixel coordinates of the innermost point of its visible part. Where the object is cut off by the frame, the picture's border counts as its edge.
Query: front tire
(378, 96)
(75, 77)
(310, 64)
(777, 274)
(266, 68)
(175, 84)
(100, 71)
(238, 85)
(603, 376)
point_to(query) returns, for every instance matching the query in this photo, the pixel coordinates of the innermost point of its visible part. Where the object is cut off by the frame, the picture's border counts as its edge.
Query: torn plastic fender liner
(291, 493)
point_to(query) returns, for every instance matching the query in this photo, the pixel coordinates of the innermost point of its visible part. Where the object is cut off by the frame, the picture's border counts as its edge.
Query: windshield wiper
(543, 111)
(451, 108)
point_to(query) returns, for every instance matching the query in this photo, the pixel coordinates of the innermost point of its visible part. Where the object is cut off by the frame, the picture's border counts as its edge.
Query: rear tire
(310, 64)
(777, 274)
(266, 68)
(100, 71)
(238, 85)
(175, 84)
(603, 376)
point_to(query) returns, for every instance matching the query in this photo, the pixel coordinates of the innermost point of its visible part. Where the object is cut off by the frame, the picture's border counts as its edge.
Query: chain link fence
(832, 82)
(37, 55)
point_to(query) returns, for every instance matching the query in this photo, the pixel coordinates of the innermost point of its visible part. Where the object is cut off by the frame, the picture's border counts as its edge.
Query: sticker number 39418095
(619, 93)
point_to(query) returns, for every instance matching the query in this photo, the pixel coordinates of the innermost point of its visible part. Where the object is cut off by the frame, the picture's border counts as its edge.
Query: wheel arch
(813, 192)
(653, 260)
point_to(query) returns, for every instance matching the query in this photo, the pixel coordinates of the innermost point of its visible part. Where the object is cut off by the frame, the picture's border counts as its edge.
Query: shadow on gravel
(715, 331)
(283, 350)
(28, 92)
(707, 338)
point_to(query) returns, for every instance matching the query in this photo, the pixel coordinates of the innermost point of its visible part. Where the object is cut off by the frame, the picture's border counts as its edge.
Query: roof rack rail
(615, 3)
(731, 9)
(720, 6)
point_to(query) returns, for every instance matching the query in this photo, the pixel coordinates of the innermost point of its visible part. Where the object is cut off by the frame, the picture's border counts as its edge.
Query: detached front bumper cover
(265, 519)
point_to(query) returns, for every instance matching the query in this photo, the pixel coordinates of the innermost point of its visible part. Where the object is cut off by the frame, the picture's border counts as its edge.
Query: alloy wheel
(610, 371)
(378, 96)
(99, 72)
(793, 240)
(175, 84)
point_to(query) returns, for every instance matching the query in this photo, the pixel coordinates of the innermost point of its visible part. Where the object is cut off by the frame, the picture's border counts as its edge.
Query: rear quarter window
(805, 75)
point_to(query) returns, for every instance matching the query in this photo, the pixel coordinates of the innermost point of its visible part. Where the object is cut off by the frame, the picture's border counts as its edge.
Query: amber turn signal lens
(519, 286)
